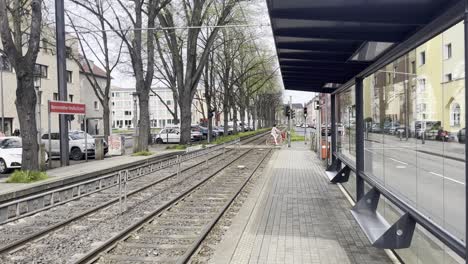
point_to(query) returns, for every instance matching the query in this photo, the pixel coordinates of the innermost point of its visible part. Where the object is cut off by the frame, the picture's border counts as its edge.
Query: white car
(10, 153)
(172, 135)
(76, 144)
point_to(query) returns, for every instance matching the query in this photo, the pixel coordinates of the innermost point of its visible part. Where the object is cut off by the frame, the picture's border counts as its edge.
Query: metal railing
(16, 209)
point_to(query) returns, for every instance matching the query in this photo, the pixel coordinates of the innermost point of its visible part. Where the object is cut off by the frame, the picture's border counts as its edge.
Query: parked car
(219, 131)
(230, 129)
(172, 135)
(10, 154)
(76, 144)
(168, 135)
(461, 135)
(426, 126)
(196, 133)
(375, 128)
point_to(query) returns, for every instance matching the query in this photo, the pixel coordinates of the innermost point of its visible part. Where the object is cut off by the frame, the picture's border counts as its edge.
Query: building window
(455, 114)
(69, 76)
(422, 85)
(168, 102)
(127, 113)
(422, 58)
(448, 77)
(55, 97)
(41, 70)
(96, 105)
(71, 97)
(113, 95)
(448, 51)
(68, 52)
(413, 67)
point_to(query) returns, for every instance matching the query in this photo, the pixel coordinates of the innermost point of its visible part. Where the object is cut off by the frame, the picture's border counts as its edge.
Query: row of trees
(187, 45)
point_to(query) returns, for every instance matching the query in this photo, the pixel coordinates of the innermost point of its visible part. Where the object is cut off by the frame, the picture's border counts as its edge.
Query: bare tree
(96, 44)
(189, 66)
(20, 20)
(127, 20)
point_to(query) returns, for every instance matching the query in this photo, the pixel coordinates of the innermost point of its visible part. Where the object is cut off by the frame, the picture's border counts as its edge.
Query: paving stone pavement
(296, 216)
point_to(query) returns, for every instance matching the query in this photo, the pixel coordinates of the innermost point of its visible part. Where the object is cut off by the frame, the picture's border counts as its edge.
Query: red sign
(67, 108)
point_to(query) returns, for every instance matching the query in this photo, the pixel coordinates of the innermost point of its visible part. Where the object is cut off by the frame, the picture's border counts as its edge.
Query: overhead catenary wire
(170, 28)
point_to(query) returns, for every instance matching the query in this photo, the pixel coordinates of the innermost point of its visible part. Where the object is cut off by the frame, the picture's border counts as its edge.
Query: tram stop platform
(294, 215)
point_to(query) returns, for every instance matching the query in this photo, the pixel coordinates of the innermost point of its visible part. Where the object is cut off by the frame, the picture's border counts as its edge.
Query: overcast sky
(258, 14)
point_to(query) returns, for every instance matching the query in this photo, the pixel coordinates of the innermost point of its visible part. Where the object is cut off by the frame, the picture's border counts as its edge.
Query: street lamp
(37, 87)
(135, 127)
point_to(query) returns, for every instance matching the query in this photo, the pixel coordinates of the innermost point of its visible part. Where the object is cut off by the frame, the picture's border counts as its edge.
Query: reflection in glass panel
(346, 123)
(414, 138)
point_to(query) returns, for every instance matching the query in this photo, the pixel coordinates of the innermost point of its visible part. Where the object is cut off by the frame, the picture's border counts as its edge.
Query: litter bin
(325, 150)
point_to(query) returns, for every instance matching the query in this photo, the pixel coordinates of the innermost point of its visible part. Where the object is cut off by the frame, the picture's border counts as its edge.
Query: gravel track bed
(29, 225)
(208, 246)
(70, 242)
(199, 207)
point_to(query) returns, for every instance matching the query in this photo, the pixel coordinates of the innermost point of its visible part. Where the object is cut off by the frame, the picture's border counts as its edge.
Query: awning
(324, 43)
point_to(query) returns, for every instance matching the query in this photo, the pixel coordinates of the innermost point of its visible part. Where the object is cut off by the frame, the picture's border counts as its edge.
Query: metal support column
(358, 91)
(333, 126)
(61, 77)
(466, 118)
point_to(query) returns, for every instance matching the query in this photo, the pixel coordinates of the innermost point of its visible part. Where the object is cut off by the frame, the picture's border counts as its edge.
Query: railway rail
(27, 243)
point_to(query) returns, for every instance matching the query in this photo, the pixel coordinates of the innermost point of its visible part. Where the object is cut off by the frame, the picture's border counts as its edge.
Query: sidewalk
(75, 173)
(295, 216)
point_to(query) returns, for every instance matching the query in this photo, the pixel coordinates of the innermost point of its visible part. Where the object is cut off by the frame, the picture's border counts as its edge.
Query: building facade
(47, 87)
(124, 106)
(94, 109)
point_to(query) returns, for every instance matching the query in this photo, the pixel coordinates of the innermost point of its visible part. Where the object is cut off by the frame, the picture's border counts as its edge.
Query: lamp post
(37, 87)
(135, 122)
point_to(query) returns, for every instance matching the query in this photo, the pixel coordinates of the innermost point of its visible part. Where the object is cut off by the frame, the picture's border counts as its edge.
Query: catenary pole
(62, 81)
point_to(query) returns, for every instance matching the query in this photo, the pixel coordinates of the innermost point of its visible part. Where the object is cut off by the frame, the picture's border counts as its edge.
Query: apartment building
(123, 105)
(47, 87)
(94, 110)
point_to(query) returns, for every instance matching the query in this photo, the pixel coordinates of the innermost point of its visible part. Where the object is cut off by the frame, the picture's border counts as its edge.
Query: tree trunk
(186, 119)
(106, 119)
(254, 118)
(234, 118)
(144, 122)
(176, 112)
(242, 117)
(26, 108)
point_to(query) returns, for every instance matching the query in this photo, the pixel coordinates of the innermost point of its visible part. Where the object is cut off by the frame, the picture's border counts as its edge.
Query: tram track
(11, 252)
(175, 230)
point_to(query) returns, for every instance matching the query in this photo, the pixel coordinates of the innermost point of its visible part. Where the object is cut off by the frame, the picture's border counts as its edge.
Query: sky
(257, 13)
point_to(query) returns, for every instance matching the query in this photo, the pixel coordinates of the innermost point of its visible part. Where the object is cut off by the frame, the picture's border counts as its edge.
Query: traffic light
(287, 110)
(305, 111)
(293, 114)
(211, 113)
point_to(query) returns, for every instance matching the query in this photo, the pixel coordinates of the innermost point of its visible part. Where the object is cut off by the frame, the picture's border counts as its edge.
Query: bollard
(123, 177)
(99, 149)
(42, 157)
(179, 158)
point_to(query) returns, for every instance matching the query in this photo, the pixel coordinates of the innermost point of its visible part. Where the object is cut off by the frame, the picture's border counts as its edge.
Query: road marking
(372, 152)
(400, 167)
(399, 161)
(447, 178)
